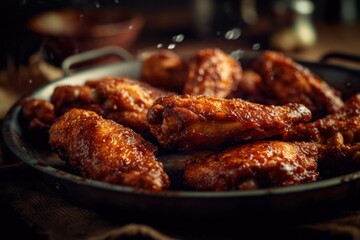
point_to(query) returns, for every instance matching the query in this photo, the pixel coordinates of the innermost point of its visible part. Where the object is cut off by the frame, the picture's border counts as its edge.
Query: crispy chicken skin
(255, 165)
(248, 87)
(103, 150)
(165, 69)
(198, 122)
(123, 100)
(286, 81)
(212, 73)
(345, 122)
(39, 114)
(69, 96)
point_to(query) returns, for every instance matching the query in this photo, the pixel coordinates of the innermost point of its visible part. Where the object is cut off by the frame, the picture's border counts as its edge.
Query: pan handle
(94, 54)
(340, 56)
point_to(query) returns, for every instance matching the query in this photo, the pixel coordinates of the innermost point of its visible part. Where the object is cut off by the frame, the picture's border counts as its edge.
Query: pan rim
(11, 118)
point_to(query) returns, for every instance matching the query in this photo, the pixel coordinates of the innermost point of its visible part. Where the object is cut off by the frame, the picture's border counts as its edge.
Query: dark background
(18, 43)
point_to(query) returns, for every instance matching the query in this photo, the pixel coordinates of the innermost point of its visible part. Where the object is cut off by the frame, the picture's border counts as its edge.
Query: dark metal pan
(327, 192)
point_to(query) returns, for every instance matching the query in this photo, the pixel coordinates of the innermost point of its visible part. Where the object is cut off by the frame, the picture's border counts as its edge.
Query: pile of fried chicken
(273, 124)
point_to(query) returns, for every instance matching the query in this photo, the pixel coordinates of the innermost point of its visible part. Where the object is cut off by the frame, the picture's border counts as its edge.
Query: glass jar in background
(294, 29)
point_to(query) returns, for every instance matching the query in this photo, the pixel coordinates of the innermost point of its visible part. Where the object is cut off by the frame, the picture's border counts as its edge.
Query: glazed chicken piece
(256, 165)
(248, 87)
(337, 157)
(165, 69)
(265, 164)
(69, 96)
(339, 135)
(212, 73)
(286, 81)
(123, 100)
(103, 150)
(345, 122)
(199, 122)
(39, 114)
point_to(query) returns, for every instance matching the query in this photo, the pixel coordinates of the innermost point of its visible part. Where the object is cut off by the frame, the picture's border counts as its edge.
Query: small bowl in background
(66, 32)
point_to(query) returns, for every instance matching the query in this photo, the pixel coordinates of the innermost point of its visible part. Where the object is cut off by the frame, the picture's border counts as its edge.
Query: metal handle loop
(340, 56)
(94, 54)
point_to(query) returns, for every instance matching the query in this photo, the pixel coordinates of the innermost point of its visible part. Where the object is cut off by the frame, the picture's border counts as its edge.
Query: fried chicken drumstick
(286, 81)
(199, 122)
(103, 150)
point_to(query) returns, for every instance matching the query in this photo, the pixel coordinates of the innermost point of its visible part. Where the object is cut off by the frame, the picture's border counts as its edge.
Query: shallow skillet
(327, 192)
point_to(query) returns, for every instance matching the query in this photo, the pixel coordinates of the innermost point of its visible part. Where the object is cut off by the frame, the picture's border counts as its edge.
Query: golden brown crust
(123, 100)
(198, 122)
(103, 150)
(165, 69)
(212, 73)
(248, 87)
(253, 166)
(286, 81)
(345, 122)
(39, 114)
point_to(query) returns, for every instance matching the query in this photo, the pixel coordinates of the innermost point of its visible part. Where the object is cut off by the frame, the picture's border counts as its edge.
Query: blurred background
(37, 35)
(258, 24)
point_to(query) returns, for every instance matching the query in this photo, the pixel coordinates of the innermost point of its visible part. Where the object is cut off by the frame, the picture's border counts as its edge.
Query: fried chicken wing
(248, 87)
(103, 150)
(286, 81)
(69, 96)
(199, 122)
(39, 114)
(212, 73)
(255, 165)
(165, 69)
(123, 100)
(345, 122)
